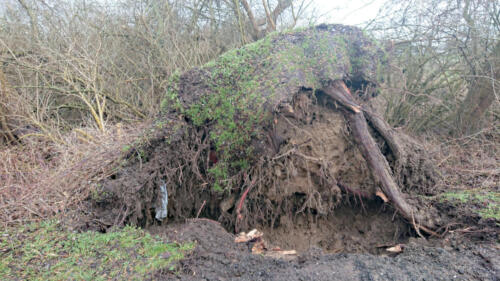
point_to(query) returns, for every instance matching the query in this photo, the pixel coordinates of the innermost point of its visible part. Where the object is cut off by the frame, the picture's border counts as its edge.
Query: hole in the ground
(304, 204)
(349, 229)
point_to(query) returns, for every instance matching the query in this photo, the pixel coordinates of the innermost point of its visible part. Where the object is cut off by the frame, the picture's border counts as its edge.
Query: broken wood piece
(246, 237)
(287, 252)
(339, 92)
(382, 196)
(281, 254)
(395, 249)
(259, 247)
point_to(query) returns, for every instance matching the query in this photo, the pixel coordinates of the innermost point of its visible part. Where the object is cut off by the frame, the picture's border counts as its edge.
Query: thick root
(376, 161)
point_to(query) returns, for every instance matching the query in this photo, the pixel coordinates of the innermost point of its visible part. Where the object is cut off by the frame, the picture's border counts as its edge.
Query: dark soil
(217, 257)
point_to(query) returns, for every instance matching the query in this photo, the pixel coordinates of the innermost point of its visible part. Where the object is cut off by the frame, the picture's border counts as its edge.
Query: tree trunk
(481, 94)
(6, 134)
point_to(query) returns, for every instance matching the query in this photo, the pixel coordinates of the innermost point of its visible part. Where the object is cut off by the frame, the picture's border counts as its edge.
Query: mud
(217, 257)
(348, 230)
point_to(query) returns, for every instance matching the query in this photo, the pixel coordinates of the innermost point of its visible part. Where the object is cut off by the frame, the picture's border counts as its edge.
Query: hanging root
(376, 161)
(239, 216)
(356, 193)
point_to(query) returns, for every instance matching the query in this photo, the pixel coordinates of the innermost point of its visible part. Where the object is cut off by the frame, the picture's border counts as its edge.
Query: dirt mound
(271, 136)
(217, 257)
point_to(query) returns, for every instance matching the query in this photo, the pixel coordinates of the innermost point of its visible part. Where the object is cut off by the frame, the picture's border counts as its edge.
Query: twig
(201, 208)
(417, 228)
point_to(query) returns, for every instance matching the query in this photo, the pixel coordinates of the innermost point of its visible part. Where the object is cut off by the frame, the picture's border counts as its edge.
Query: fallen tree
(281, 126)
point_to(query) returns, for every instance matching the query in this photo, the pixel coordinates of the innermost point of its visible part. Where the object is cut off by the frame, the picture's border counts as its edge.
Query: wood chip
(382, 196)
(245, 237)
(395, 249)
(289, 252)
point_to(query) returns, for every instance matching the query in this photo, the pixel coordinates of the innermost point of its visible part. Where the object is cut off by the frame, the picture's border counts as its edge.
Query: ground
(217, 257)
(201, 249)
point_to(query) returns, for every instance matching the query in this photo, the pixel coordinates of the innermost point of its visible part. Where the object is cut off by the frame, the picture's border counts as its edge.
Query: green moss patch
(45, 251)
(487, 203)
(235, 95)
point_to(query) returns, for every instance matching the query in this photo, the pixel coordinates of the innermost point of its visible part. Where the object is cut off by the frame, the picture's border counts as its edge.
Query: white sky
(352, 12)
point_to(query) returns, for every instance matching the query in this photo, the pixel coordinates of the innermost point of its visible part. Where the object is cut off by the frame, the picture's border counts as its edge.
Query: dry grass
(470, 162)
(41, 179)
(471, 176)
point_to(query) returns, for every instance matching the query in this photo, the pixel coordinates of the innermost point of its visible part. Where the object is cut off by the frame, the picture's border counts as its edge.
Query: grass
(45, 251)
(488, 202)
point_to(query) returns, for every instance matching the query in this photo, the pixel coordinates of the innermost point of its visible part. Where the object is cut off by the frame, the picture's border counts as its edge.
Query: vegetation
(487, 202)
(444, 75)
(47, 251)
(93, 64)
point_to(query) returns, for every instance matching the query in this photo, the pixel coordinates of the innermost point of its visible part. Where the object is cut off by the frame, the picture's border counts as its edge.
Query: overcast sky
(353, 12)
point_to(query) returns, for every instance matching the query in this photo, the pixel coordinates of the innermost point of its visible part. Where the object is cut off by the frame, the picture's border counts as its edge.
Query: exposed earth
(217, 257)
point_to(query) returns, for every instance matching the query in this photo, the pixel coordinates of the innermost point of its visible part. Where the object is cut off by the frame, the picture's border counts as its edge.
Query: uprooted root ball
(258, 137)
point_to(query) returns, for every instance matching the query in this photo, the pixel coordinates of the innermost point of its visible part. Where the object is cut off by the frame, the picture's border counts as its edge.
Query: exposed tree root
(376, 161)
(390, 137)
(278, 148)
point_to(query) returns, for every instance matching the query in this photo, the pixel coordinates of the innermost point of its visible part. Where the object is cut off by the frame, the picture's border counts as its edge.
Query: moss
(487, 202)
(241, 82)
(45, 251)
(170, 100)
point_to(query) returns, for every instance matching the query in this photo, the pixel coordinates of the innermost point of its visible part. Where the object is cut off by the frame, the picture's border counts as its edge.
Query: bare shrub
(92, 63)
(41, 178)
(443, 51)
(70, 71)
